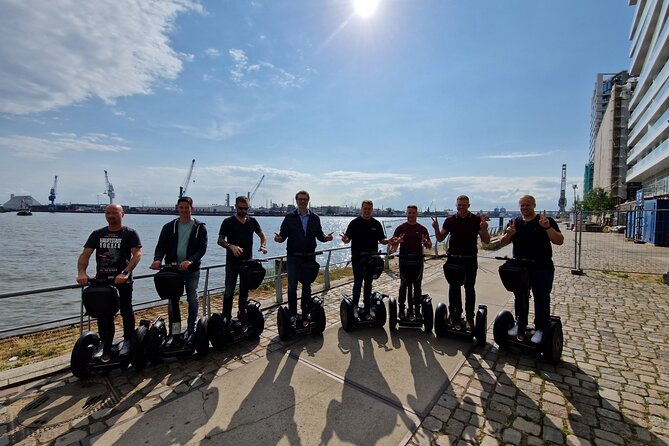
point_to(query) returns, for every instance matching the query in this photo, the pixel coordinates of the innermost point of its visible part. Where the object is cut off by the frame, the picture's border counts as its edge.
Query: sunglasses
(239, 208)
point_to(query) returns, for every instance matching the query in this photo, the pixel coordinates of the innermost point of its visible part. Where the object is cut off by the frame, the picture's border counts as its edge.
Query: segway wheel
(440, 316)
(428, 316)
(202, 336)
(319, 318)
(255, 319)
(216, 331)
(381, 315)
(346, 314)
(283, 323)
(153, 341)
(481, 326)
(553, 343)
(503, 323)
(138, 357)
(82, 353)
(392, 314)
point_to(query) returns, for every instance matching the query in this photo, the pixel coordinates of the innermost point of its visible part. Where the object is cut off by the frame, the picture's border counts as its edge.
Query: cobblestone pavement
(611, 387)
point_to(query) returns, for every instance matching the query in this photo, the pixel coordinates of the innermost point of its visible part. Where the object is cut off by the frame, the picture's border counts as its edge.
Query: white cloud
(515, 155)
(247, 75)
(55, 143)
(212, 52)
(62, 52)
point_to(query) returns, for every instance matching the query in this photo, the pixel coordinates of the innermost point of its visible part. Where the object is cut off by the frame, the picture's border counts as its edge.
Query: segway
(169, 283)
(311, 323)
(223, 332)
(350, 314)
(445, 326)
(101, 299)
(515, 278)
(410, 267)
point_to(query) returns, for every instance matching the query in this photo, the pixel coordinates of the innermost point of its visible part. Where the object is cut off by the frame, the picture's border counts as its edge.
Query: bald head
(114, 216)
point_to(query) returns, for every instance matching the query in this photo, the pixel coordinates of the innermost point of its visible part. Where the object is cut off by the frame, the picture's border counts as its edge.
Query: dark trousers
(358, 280)
(541, 284)
(410, 284)
(232, 272)
(106, 324)
(455, 293)
(294, 266)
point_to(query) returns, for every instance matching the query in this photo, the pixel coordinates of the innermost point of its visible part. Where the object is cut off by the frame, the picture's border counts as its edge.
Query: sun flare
(365, 8)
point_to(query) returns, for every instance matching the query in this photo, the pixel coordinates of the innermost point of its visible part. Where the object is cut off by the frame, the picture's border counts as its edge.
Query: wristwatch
(125, 273)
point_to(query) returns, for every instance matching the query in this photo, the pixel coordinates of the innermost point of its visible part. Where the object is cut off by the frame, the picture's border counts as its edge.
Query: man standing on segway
(301, 228)
(411, 237)
(465, 229)
(117, 252)
(236, 236)
(532, 235)
(183, 241)
(365, 232)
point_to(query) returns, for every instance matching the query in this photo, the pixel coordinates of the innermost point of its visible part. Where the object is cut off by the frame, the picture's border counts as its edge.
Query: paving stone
(512, 436)
(526, 426)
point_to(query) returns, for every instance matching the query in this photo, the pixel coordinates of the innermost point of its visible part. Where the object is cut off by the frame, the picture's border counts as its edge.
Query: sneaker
(106, 357)
(356, 312)
(125, 348)
(537, 337)
(458, 324)
(403, 313)
(513, 331)
(469, 325)
(293, 321)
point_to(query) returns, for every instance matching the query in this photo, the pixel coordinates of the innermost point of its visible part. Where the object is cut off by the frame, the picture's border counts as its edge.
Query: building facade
(648, 127)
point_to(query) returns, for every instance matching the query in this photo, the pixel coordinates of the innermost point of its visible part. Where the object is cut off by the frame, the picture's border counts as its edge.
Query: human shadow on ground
(544, 401)
(368, 409)
(266, 413)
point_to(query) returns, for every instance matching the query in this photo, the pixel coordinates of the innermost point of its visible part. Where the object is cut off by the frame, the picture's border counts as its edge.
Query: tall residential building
(600, 100)
(648, 138)
(610, 146)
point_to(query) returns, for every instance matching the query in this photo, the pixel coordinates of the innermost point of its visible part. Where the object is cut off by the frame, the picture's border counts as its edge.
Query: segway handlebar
(516, 261)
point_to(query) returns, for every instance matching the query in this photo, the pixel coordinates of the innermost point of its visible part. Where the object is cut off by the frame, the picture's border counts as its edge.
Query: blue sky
(418, 102)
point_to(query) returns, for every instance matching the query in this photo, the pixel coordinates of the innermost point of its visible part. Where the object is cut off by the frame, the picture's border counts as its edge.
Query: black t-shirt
(531, 242)
(464, 234)
(112, 250)
(239, 234)
(365, 236)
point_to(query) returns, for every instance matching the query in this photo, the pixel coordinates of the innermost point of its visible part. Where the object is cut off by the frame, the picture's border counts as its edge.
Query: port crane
(109, 189)
(184, 187)
(52, 193)
(562, 202)
(255, 189)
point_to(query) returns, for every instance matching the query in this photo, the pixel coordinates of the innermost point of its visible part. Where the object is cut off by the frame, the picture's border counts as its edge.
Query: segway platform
(552, 341)
(224, 332)
(313, 323)
(424, 321)
(445, 326)
(101, 299)
(158, 345)
(352, 317)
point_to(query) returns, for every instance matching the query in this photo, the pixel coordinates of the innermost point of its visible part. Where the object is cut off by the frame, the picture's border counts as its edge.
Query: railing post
(81, 313)
(326, 273)
(206, 299)
(578, 227)
(278, 290)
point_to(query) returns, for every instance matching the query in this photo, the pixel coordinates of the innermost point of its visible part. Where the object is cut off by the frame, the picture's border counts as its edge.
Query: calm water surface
(41, 251)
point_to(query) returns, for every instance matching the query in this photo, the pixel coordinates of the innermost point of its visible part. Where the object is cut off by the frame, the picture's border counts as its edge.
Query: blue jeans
(294, 266)
(541, 284)
(191, 280)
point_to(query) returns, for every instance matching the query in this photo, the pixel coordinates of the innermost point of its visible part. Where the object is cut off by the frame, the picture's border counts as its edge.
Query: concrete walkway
(373, 386)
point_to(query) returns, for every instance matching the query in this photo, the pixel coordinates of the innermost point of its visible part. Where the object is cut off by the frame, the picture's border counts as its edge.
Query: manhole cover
(55, 407)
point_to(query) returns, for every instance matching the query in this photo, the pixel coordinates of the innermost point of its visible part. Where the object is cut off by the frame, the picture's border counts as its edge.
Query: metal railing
(205, 292)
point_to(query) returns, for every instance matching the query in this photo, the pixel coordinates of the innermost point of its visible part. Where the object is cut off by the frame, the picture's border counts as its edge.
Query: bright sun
(365, 8)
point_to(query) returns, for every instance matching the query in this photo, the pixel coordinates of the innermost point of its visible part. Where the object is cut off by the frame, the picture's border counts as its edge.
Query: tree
(597, 202)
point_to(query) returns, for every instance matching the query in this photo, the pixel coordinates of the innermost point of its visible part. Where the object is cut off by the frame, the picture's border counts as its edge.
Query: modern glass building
(648, 126)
